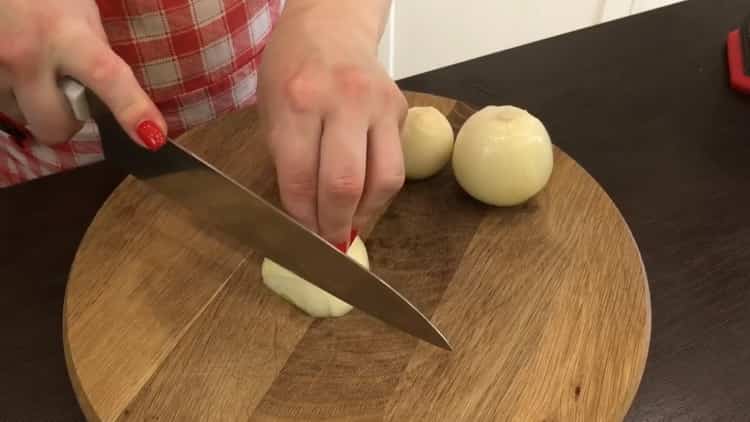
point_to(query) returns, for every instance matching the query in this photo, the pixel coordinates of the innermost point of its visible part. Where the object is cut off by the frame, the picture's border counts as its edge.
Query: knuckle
(395, 101)
(387, 184)
(108, 68)
(298, 185)
(20, 54)
(398, 100)
(116, 81)
(353, 82)
(345, 187)
(302, 91)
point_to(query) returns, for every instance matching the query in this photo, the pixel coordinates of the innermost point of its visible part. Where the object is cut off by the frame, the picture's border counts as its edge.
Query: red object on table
(738, 77)
(738, 50)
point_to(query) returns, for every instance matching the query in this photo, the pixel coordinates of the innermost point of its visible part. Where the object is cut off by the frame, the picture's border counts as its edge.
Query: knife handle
(75, 93)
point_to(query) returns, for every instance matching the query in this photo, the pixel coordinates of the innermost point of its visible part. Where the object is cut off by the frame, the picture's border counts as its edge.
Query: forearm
(365, 18)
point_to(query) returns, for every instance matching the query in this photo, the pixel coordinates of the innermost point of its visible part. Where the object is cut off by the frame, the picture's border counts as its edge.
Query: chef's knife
(217, 200)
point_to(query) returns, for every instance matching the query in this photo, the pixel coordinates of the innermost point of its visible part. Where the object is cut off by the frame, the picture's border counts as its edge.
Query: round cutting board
(545, 304)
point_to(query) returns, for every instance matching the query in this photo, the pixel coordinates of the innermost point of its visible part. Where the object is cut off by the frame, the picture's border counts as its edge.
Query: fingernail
(151, 135)
(343, 246)
(353, 235)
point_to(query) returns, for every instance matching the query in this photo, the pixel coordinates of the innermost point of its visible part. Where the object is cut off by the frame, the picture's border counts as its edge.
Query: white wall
(387, 46)
(426, 34)
(433, 33)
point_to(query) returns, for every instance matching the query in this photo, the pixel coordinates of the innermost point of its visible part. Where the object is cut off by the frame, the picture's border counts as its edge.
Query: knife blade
(217, 200)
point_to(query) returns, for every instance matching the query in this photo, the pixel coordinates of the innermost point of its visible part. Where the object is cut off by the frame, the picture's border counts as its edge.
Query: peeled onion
(308, 297)
(503, 156)
(426, 141)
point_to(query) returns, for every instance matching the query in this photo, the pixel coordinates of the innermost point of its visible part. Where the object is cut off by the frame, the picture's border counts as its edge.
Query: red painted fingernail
(151, 135)
(343, 246)
(353, 235)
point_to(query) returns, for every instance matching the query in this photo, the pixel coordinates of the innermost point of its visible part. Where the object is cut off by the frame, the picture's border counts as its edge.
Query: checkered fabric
(197, 59)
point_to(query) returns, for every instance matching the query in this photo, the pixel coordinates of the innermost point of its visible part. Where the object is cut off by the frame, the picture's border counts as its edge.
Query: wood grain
(546, 305)
(537, 316)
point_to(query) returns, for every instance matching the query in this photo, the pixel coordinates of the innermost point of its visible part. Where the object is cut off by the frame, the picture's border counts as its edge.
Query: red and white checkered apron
(196, 59)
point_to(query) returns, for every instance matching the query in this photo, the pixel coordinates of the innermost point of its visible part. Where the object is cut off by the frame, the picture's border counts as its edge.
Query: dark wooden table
(642, 103)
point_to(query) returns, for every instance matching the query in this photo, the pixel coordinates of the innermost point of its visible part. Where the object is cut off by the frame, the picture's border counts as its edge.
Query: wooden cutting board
(546, 305)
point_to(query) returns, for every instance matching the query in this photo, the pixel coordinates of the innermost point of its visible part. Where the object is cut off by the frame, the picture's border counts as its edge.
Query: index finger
(100, 69)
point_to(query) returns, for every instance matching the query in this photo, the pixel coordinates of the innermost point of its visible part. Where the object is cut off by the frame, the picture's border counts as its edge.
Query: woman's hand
(333, 114)
(45, 40)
